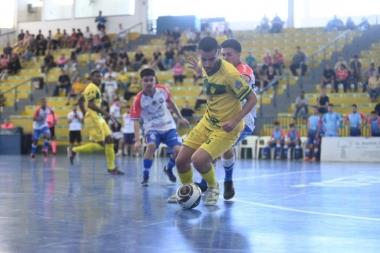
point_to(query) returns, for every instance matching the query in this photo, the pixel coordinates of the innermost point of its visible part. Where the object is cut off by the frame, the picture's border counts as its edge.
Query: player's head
(373, 114)
(276, 124)
(208, 50)
(96, 77)
(231, 50)
(43, 102)
(330, 107)
(148, 79)
(354, 108)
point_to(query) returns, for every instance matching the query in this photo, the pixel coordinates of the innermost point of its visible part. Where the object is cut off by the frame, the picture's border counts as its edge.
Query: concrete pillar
(290, 23)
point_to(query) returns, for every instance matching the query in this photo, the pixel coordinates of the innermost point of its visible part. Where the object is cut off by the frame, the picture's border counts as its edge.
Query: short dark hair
(354, 105)
(276, 122)
(373, 112)
(208, 44)
(232, 43)
(331, 105)
(95, 71)
(147, 72)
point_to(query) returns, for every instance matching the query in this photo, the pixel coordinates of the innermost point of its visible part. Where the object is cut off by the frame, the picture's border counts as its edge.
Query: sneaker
(201, 186)
(45, 152)
(118, 153)
(115, 171)
(173, 199)
(71, 154)
(170, 175)
(212, 196)
(145, 181)
(229, 190)
(32, 156)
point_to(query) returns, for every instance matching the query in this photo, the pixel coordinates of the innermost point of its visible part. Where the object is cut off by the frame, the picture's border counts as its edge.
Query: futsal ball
(189, 196)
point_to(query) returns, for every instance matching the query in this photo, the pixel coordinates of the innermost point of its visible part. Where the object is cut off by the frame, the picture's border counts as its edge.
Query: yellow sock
(110, 156)
(186, 177)
(210, 177)
(88, 148)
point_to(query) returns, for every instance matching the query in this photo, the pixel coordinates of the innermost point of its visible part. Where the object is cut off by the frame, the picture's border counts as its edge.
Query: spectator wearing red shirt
(278, 61)
(7, 124)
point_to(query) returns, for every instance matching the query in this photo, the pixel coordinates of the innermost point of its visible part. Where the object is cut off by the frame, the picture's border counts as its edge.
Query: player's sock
(170, 165)
(46, 146)
(110, 156)
(186, 177)
(34, 149)
(88, 148)
(147, 165)
(54, 147)
(228, 165)
(210, 177)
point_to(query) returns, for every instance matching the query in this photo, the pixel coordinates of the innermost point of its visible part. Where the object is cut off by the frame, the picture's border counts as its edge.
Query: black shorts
(129, 139)
(75, 136)
(52, 132)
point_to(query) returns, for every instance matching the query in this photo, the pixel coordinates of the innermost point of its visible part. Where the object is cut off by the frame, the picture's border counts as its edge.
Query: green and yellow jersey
(225, 89)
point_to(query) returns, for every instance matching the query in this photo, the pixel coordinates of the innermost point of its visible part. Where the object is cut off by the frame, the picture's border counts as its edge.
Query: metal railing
(15, 91)
(8, 36)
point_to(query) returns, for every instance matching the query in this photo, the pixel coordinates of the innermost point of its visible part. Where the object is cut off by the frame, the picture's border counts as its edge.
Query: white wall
(141, 15)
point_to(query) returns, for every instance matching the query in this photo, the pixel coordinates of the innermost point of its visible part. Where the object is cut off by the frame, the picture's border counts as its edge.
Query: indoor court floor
(280, 206)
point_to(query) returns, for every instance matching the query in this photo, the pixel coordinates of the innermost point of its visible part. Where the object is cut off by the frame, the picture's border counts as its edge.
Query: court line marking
(273, 175)
(295, 210)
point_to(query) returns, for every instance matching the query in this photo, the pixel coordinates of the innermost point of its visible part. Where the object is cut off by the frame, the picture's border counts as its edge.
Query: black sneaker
(201, 186)
(115, 172)
(229, 190)
(170, 175)
(145, 182)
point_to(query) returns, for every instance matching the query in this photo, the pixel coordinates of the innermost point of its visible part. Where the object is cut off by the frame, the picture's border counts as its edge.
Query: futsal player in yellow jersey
(222, 122)
(97, 128)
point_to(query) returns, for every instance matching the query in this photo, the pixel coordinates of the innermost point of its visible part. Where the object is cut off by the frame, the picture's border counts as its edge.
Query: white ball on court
(189, 196)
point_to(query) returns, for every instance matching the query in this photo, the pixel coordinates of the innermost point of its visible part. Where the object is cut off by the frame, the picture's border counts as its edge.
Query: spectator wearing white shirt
(115, 109)
(75, 120)
(128, 133)
(110, 87)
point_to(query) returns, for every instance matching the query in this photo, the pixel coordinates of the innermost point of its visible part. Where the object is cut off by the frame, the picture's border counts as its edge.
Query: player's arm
(137, 130)
(135, 116)
(175, 109)
(81, 102)
(91, 104)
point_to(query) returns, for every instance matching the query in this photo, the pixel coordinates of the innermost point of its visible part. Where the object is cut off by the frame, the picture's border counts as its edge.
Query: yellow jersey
(92, 92)
(225, 89)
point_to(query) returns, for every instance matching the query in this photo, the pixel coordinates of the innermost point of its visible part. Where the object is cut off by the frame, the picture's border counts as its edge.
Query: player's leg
(152, 140)
(109, 148)
(174, 142)
(36, 136)
(53, 141)
(46, 135)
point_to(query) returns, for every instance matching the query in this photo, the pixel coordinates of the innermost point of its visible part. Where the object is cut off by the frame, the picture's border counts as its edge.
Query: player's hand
(192, 62)
(137, 146)
(229, 125)
(184, 122)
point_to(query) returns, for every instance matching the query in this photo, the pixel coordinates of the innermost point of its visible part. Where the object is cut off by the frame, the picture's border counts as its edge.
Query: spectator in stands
(267, 61)
(139, 60)
(48, 63)
(277, 25)
(157, 61)
(76, 89)
(377, 109)
(331, 122)
(41, 45)
(14, 64)
(278, 61)
(369, 73)
(129, 133)
(110, 88)
(57, 39)
(342, 76)
(328, 76)
(62, 61)
(64, 83)
(75, 120)
(178, 73)
(313, 135)
(270, 77)
(169, 57)
(123, 60)
(301, 107)
(350, 25)
(250, 60)
(322, 101)
(298, 62)
(100, 21)
(187, 111)
(115, 109)
(277, 140)
(264, 26)
(354, 121)
(7, 124)
(341, 61)
(123, 78)
(3, 67)
(7, 50)
(356, 71)
(374, 123)
(21, 35)
(374, 86)
(133, 88)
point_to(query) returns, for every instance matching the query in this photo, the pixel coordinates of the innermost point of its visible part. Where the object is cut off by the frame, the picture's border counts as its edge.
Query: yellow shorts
(96, 127)
(213, 140)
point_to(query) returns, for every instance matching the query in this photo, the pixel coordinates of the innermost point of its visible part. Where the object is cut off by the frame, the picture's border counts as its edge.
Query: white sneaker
(211, 196)
(173, 199)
